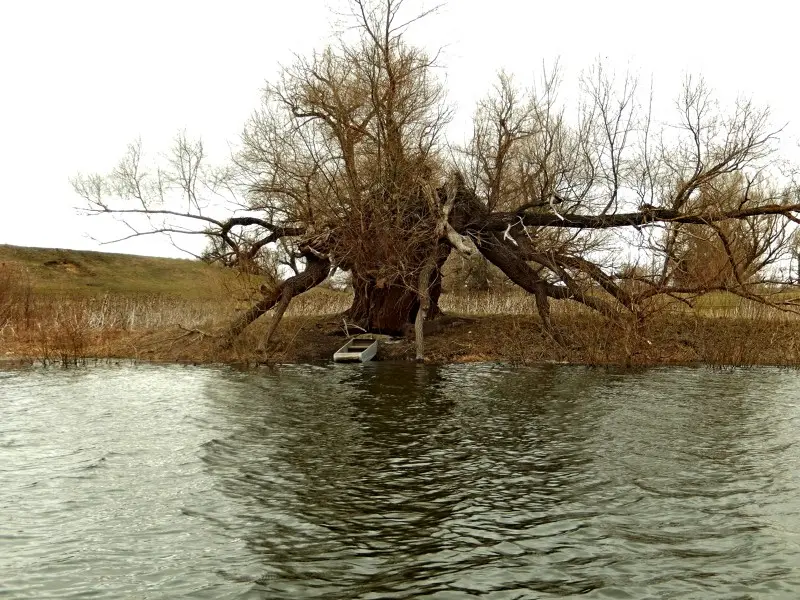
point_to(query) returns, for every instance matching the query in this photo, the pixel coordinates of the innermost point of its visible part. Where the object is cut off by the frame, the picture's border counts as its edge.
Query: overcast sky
(81, 79)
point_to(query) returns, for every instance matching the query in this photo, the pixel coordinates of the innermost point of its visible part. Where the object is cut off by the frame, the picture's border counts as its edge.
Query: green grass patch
(83, 273)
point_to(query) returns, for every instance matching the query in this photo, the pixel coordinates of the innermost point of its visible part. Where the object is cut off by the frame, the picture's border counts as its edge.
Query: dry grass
(721, 329)
(511, 302)
(83, 274)
(490, 326)
(68, 329)
(517, 302)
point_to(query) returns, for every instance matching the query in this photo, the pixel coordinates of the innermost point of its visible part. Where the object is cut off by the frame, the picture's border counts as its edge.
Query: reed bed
(499, 325)
(515, 302)
(320, 302)
(488, 303)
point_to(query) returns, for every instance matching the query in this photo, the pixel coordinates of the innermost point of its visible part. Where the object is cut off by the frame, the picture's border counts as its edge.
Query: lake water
(399, 481)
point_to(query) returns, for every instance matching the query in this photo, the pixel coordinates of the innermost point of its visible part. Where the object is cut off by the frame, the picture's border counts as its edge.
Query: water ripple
(398, 481)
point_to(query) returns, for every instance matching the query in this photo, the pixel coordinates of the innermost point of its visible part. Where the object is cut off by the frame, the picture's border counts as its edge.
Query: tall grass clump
(16, 296)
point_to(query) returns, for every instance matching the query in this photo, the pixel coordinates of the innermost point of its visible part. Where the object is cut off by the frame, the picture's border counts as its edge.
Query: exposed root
(346, 327)
(200, 332)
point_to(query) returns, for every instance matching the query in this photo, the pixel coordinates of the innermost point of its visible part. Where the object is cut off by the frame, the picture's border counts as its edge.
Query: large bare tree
(346, 164)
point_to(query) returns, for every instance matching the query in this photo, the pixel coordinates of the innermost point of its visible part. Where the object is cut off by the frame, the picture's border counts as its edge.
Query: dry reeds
(67, 330)
(15, 296)
(501, 325)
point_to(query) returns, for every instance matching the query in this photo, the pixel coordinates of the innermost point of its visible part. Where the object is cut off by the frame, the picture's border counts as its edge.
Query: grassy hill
(82, 273)
(102, 304)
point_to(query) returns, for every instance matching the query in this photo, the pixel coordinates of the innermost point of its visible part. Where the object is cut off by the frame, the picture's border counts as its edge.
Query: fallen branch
(200, 332)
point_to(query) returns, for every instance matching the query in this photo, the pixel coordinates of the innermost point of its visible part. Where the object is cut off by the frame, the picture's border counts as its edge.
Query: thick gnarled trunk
(382, 308)
(391, 307)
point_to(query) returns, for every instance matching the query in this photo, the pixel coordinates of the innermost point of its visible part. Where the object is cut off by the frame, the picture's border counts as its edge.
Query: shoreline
(668, 340)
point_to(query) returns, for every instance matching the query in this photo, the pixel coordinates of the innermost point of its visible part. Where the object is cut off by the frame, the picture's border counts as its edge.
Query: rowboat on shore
(357, 349)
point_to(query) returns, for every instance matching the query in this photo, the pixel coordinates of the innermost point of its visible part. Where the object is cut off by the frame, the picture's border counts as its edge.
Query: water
(396, 481)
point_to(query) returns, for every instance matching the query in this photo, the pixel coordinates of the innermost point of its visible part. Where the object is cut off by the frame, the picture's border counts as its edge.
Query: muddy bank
(673, 340)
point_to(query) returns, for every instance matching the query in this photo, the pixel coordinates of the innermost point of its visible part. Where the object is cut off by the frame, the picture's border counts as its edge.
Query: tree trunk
(424, 294)
(382, 307)
(391, 307)
(283, 304)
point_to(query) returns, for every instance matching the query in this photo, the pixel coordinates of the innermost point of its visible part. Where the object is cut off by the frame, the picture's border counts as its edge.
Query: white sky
(80, 79)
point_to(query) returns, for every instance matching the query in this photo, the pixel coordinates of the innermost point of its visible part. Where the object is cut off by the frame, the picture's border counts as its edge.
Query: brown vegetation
(495, 325)
(580, 229)
(345, 166)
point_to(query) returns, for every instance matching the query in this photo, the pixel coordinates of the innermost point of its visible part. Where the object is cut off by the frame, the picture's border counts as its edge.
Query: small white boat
(358, 349)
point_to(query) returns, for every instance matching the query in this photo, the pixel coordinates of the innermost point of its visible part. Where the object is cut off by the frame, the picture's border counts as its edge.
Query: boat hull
(357, 350)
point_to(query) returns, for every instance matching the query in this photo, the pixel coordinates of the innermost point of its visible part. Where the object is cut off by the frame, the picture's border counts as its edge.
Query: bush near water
(66, 307)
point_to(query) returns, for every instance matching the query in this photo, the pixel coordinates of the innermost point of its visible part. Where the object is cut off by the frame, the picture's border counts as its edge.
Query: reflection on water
(399, 481)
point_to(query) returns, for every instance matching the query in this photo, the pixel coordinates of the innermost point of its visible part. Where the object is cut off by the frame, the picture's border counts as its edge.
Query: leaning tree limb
(472, 218)
(500, 221)
(316, 271)
(557, 262)
(521, 273)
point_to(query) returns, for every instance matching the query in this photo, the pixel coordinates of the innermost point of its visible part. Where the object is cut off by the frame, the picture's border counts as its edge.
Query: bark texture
(316, 271)
(391, 307)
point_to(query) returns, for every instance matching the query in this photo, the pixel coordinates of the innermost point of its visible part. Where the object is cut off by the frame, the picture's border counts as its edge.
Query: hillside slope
(81, 273)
